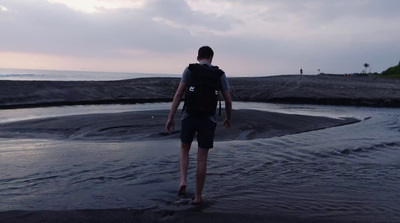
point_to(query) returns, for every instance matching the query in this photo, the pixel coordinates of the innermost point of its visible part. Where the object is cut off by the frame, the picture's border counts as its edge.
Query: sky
(249, 37)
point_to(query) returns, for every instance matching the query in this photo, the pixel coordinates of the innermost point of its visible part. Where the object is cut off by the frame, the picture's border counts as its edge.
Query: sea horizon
(73, 75)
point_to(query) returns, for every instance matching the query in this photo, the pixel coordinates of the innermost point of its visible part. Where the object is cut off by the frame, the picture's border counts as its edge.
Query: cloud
(44, 27)
(252, 36)
(2, 8)
(54, 28)
(97, 6)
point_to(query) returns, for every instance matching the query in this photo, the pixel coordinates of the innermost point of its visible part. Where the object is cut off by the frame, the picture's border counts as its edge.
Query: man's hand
(170, 125)
(227, 124)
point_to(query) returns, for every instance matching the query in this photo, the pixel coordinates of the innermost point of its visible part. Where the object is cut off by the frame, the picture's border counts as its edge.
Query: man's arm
(228, 109)
(174, 107)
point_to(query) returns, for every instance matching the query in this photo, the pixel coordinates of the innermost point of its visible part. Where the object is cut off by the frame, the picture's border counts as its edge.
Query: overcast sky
(249, 37)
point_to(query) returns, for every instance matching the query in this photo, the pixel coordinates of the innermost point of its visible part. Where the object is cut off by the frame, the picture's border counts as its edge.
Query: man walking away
(200, 83)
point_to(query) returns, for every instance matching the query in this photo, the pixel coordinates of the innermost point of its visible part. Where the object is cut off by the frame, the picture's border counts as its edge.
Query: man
(204, 127)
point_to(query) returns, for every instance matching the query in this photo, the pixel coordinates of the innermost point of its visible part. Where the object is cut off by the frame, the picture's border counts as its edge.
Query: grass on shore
(392, 72)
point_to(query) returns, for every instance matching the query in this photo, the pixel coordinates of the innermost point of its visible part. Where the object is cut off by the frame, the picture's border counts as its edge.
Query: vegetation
(366, 65)
(392, 71)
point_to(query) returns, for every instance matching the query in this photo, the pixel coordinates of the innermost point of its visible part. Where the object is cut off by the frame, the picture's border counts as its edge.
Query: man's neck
(202, 61)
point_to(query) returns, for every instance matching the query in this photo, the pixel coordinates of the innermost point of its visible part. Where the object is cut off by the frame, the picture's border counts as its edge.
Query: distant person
(301, 71)
(199, 117)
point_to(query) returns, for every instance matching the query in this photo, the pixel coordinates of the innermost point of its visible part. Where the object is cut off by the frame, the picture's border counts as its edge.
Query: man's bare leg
(183, 167)
(202, 155)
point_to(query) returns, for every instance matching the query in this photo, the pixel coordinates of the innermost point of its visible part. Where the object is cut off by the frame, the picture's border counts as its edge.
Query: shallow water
(348, 173)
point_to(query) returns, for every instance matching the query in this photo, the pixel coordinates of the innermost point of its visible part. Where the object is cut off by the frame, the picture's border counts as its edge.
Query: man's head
(205, 53)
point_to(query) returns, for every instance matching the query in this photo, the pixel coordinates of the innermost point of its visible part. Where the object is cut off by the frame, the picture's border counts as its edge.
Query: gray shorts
(204, 127)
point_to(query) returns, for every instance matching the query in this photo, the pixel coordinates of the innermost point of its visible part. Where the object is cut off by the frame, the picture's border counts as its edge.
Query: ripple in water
(346, 173)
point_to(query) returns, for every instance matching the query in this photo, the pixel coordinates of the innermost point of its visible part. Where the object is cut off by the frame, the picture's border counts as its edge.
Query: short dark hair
(205, 52)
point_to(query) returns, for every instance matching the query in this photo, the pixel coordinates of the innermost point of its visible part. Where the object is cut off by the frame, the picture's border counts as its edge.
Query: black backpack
(202, 92)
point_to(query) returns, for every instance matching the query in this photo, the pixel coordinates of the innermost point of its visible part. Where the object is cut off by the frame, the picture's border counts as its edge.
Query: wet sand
(195, 215)
(149, 125)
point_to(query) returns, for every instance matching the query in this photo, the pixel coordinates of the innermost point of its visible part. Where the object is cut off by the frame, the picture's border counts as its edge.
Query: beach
(150, 125)
(126, 215)
(288, 164)
(306, 89)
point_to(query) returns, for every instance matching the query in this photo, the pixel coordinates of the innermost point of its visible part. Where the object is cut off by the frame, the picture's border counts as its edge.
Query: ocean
(65, 75)
(349, 173)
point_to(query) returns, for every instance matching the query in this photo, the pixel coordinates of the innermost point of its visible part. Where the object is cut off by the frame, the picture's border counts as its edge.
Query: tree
(366, 65)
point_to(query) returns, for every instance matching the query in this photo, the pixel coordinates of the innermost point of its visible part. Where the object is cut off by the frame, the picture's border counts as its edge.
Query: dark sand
(321, 89)
(149, 125)
(195, 215)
